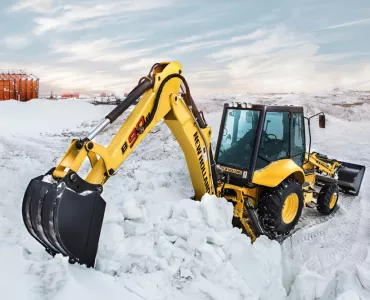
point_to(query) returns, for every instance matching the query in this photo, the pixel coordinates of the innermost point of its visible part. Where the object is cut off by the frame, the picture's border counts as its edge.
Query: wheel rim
(290, 208)
(333, 200)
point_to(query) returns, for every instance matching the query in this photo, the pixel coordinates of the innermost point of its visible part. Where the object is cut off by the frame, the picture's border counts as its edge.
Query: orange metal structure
(18, 85)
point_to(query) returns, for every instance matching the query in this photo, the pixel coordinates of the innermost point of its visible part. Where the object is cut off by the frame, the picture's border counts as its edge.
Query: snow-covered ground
(156, 243)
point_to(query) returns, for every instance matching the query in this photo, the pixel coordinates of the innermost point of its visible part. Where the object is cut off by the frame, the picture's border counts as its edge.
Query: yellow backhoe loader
(261, 165)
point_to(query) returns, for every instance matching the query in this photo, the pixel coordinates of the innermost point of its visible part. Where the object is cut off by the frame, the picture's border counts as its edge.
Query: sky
(223, 46)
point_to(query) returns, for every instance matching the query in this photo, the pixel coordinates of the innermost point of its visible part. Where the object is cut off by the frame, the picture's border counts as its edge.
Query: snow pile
(157, 243)
(188, 248)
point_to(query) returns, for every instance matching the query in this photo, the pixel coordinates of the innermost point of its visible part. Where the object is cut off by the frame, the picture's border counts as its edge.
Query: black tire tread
(324, 197)
(270, 207)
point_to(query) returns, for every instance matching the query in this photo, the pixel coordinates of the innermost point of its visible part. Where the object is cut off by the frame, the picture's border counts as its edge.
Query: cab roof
(253, 106)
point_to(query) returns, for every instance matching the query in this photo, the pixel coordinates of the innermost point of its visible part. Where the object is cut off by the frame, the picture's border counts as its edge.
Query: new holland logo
(231, 170)
(202, 157)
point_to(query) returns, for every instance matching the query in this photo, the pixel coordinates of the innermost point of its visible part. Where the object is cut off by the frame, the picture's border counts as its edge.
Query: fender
(274, 173)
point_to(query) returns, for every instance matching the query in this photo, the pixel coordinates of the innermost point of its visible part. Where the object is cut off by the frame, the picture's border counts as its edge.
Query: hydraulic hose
(135, 94)
(188, 100)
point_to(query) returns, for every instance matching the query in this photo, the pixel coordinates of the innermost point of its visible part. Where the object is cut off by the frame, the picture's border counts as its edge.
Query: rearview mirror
(228, 137)
(322, 121)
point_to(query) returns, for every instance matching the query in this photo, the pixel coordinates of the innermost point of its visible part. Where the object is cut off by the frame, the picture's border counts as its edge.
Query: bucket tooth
(65, 217)
(31, 212)
(47, 218)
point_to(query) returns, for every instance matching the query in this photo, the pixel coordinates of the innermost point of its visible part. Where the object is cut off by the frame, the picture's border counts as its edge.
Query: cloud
(205, 35)
(196, 46)
(97, 44)
(205, 76)
(67, 79)
(271, 42)
(252, 36)
(16, 42)
(80, 15)
(101, 50)
(40, 6)
(143, 65)
(283, 60)
(338, 56)
(194, 43)
(344, 24)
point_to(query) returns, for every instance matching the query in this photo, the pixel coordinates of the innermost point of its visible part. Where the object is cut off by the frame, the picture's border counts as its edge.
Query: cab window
(274, 140)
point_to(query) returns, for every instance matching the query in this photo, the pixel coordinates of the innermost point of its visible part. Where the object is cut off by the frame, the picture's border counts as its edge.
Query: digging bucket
(65, 216)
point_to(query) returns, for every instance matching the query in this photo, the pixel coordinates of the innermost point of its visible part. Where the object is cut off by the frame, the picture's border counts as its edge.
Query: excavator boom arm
(160, 101)
(65, 212)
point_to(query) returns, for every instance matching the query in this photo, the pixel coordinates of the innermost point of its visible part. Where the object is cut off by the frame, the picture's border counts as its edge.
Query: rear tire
(327, 199)
(280, 208)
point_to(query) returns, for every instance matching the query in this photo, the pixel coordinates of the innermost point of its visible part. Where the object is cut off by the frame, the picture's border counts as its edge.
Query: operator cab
(253, 136)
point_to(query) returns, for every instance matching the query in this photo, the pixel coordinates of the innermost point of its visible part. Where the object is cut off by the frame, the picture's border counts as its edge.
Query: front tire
(281, 207)
(327, 199)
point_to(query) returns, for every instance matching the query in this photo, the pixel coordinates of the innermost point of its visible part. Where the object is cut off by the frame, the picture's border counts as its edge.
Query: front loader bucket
(65, 217)
(350, 177)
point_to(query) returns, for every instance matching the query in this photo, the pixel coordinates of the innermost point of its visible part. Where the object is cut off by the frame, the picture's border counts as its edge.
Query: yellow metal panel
(310, 178)
(240, 212)
(308, 197)
(179, 110)
(195, 152)
(274, 173)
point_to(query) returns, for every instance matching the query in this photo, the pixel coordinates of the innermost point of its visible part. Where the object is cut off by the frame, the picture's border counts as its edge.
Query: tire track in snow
(328, 245)
(361, 239)
(333, 234)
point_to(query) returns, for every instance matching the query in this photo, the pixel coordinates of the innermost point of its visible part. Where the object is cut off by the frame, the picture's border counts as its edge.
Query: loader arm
(65, 212)
(348, 176)
(328, 167)
(160, 101)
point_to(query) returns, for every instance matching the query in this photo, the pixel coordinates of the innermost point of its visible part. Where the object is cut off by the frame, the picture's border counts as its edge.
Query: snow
(157, 243)
(47, 116)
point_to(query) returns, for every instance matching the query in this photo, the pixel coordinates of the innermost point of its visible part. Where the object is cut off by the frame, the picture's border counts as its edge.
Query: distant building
(18, 85)
(70, 95)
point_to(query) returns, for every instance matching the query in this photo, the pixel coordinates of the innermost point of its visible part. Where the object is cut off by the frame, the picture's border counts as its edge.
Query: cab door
(298, 143)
